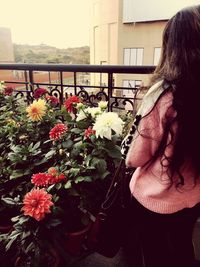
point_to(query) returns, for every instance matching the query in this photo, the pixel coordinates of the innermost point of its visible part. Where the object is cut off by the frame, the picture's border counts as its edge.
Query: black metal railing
(61, 86)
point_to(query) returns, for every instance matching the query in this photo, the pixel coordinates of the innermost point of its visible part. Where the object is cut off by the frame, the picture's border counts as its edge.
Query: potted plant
(77, 147)
(23, 145)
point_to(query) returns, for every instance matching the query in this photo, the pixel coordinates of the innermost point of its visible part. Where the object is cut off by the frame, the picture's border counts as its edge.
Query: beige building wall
(6, 46)
(110, 36)
(104, 36)
(6, 52)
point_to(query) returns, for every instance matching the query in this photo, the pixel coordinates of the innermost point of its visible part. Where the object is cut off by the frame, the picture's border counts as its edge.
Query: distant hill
(49, 54)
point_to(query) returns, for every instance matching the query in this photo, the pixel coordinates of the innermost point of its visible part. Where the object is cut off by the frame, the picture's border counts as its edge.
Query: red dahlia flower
(57, 131)
(55, 177)
(40, 179)
(52, 99)
(88, 132)
(70, 101)
(39, 92)
(37, 203)
(8, 90)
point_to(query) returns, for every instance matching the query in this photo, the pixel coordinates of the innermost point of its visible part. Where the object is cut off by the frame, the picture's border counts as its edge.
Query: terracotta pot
(74, 240)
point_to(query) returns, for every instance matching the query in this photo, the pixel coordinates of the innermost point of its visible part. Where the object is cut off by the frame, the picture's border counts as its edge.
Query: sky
(60, 23)
(66, 23)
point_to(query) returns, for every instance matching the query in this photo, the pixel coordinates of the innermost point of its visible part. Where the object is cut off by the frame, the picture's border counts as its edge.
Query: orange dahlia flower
(37, 110)
(37, 203)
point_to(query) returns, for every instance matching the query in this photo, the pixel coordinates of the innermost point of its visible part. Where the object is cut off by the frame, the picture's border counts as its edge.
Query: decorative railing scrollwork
(58, 87)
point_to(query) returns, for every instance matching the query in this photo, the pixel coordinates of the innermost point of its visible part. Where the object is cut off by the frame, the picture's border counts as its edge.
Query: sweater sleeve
(149, 133)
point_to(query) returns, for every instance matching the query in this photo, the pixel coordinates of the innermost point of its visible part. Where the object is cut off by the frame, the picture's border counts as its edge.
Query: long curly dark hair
(180, 66)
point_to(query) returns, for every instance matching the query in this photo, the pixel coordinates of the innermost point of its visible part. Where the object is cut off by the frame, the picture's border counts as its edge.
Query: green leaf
(15, 219)
(79, 179)
(78, 139)
(101, 165)
(9, 244)
(26, 234)
(76, 130)
(58, 186)
(17, 174)
(67, 144)
(8, 200)
(88, 178)
(74, 171)
(16, 149)
(40, 162)
(93, 138)
(94, 161)
(30, 147)
(36, 152)
(114, 152)
(78, 145)
(68, 184)
(50, 154)
(105, 174)
(87, 160)
(27, 172)
(29, 248)
(36, 146)
(53, 223)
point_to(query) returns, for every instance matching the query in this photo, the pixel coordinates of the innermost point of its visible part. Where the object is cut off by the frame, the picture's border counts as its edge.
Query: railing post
(110, 88)
(31, 85)
(61, 87)
(75, 83)
(26, 79)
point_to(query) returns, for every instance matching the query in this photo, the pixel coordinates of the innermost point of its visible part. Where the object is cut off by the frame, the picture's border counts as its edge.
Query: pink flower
(52, 99)
(37, 203)
(8, 90)
(88, 132)
(70, 101)
(39, 92)
(40, 179)
(57, 131)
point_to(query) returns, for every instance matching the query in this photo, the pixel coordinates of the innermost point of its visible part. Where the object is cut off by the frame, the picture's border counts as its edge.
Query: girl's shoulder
(157, 96)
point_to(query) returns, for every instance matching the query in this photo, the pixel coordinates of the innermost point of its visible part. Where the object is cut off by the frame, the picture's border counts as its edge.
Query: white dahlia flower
(107, 122)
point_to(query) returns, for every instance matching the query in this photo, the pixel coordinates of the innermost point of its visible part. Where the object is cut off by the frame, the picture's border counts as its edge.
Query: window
(157, 52)
(133, 56)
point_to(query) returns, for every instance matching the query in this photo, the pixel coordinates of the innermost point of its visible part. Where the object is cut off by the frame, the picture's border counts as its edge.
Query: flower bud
(103, 104)
(79, 105)
(61, 151)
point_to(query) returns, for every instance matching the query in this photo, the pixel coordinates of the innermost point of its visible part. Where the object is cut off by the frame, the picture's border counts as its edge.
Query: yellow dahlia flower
(37, 110)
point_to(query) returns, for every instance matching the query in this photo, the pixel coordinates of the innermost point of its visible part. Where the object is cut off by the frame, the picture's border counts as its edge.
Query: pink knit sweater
(151, 186)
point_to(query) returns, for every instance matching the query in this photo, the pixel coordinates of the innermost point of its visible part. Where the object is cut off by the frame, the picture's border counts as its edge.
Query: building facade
(129, 32)
(6, 46)
(6, 52)
(117, 39)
